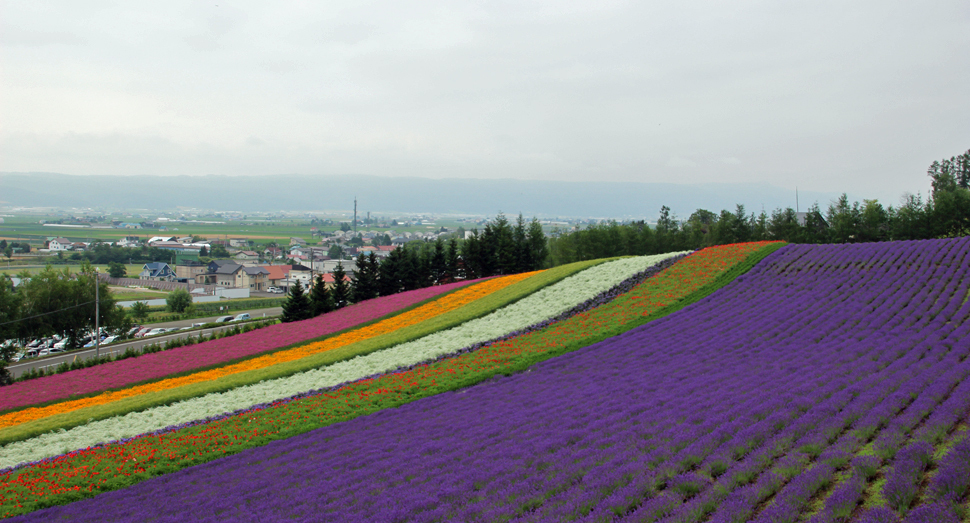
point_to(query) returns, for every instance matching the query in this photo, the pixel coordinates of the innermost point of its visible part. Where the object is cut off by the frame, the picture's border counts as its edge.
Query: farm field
(826, 383)
(28, 227)
(132, 270)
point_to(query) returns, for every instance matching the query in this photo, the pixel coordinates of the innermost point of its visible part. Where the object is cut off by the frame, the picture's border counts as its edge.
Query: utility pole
(355, 216)
(796, 199)
(97, 315)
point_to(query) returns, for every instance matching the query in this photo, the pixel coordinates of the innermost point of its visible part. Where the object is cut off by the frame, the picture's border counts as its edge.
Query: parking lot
(50, 362)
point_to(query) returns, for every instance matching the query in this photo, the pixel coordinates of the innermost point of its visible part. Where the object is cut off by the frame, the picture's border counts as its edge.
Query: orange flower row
(429, 310)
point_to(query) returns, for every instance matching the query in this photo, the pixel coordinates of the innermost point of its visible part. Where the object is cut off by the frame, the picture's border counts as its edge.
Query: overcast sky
(829, 96)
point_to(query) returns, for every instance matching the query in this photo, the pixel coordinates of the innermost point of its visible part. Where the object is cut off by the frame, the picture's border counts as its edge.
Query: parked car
(155, 331)
(61, 344)
(222, 319)
(275, 290)
(194, 325)
(141, 333)
(241, 317)
(91, 343)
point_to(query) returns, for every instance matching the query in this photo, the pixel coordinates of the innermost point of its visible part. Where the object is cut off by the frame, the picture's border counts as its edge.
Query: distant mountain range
(619, 200)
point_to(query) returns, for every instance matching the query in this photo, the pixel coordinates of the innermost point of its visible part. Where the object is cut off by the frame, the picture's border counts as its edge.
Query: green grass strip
(470, 311)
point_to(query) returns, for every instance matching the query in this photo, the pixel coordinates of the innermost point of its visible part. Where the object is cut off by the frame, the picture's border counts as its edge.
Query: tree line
(55, 302)
(946, 213)
(501, 248)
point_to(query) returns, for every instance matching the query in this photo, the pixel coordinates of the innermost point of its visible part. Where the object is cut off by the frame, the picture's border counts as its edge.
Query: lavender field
(828, 384)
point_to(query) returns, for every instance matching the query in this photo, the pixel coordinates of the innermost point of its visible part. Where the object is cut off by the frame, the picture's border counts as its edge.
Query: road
(49, 362)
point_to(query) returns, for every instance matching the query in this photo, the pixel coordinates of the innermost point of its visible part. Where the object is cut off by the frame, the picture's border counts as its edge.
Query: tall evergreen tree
(451, 261)
(411, 269)
(297, 305)
(537, 249)
(439, 268)
(503, 246)
(816, 228)
(364, 281)
(389, 274)
(320, 300)
(340, 293)
(471, 255)
(521, 246)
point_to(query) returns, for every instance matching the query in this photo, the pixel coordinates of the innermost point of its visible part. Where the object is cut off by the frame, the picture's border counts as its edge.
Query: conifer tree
(451, 261)
(521, 246)
(297, 305)
(340, 292)
(412, 269)
(438, 263)
(320, 300)
(374, 267)
(389, 274)
(537, 250)
(471, 256)
(364, 281)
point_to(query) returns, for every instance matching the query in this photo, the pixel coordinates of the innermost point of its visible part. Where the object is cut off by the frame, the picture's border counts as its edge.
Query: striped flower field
(751, 382)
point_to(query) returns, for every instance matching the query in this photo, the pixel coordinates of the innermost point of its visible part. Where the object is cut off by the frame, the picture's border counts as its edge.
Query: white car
(61, 344)
(155, 331)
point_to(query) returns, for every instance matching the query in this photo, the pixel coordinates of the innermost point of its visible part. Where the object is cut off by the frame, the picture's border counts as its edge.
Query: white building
(60, 244)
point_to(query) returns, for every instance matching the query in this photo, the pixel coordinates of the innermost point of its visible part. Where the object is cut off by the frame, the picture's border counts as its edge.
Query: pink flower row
(160, 364)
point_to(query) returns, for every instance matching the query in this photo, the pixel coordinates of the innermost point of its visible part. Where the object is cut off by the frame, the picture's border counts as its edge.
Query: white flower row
(539, 306)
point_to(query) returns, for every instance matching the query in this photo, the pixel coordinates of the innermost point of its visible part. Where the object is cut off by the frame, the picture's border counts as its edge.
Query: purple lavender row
(833, 458)
(839, 455)
(951, 484)
(670, 503)
(836, 457)
(842, 502)
(902, 483)
(607, 427)
(743, 503)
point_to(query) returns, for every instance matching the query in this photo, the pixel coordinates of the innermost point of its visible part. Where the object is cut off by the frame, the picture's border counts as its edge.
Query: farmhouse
(247, 255)
(61, 244)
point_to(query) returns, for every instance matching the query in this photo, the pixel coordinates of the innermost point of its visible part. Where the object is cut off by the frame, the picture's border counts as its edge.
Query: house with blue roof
(158, 271)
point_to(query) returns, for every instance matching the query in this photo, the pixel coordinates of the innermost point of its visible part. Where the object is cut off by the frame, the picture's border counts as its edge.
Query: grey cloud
(14, 36)
(856, 97)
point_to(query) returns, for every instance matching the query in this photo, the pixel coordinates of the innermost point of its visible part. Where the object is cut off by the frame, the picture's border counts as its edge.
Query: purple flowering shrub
(952, 479)
(902, 484)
